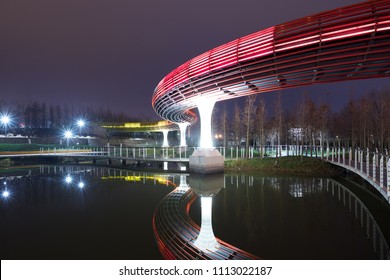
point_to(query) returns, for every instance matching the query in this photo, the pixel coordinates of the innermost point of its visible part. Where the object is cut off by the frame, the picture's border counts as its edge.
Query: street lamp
(5, 121)
(80, 124)
(68, 134)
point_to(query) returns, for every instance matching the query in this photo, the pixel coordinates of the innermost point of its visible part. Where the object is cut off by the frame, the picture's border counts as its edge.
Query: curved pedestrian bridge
(371, 166)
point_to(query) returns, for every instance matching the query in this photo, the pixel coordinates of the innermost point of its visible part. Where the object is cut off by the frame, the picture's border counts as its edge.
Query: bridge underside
(344, 44)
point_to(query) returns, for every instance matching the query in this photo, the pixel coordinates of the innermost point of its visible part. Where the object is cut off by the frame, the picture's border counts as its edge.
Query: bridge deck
(88, 154)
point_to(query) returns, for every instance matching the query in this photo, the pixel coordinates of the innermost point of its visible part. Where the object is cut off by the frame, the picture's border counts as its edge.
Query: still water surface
(109, 216)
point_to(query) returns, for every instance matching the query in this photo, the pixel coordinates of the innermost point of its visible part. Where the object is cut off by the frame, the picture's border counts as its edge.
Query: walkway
(372, 167)
(131, 154)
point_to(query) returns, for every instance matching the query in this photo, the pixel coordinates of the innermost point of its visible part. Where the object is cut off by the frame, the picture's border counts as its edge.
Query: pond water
(81, 212)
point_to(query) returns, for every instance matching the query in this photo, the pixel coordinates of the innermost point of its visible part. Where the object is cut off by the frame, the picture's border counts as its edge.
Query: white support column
(165, 141)
(356, 159)
(368, 163)
(206, 239)
(338, 155)
(388, 178)
(205, 108)
(206, 159)
(183, 128)
(381, 172)
(361, 160)
(377, 157)
(344, 155)
(374, 167)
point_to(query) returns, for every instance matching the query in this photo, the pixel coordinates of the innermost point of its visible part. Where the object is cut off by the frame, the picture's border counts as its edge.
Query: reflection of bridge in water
(178, 236)
(360, 212)
(339, 192)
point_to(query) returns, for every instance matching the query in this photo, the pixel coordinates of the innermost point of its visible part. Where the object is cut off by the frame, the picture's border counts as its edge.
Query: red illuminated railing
(347, 43)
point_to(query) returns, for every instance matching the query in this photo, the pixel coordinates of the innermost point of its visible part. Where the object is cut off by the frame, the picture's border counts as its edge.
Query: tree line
(362, 123)
(30, 116)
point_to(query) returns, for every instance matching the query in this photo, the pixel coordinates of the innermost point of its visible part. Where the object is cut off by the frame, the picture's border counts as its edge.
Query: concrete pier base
(206, 161)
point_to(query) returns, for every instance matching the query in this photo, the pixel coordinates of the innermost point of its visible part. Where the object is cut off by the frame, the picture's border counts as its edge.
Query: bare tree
(260, 124)
(224, 125)
(278, 118)
(237, 125)
(323, 126)
(248, 118)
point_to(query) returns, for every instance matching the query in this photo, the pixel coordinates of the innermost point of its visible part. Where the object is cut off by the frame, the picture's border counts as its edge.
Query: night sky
(113, 53)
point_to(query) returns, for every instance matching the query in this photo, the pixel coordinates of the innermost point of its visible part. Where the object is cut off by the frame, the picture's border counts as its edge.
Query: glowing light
(80, 123)
(161, 180)
(141, 125)
(5, 119)
(5, 194)
(165, 141)
(205, 107)
(68, 134)
(183, 127)
(68, 179)
(81, 184)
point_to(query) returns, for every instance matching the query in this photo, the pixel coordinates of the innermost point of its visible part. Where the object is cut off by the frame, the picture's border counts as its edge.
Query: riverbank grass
(290, 164)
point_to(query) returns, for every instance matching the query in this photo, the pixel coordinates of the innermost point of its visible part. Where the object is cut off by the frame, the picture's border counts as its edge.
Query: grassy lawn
(18, 147)
(290, 164)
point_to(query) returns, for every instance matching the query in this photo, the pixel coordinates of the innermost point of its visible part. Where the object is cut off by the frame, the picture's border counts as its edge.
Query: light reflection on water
(48, 216)
(77, 212)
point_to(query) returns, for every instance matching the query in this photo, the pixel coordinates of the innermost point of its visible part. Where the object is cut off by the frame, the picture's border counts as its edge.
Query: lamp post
(68, 134)
(80, 125)
(5, 120)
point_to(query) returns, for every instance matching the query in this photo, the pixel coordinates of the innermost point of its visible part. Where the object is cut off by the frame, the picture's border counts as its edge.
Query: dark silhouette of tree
(260, 123)
(237, 125)
(248, 117)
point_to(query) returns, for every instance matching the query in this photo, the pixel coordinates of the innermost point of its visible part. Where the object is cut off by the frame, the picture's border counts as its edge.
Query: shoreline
(283, 165)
